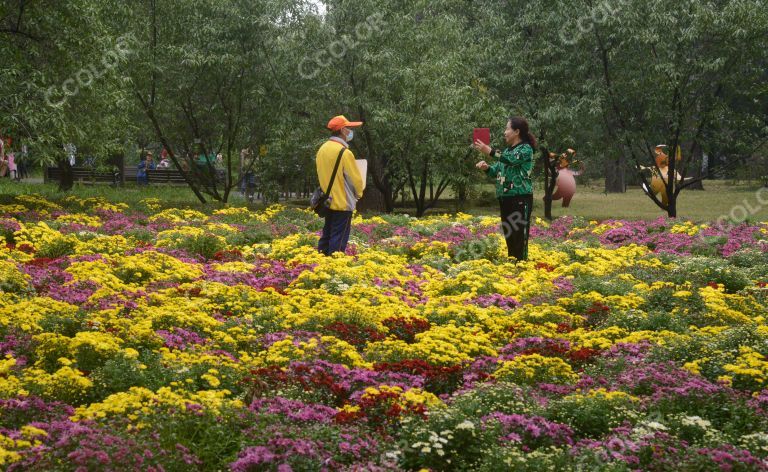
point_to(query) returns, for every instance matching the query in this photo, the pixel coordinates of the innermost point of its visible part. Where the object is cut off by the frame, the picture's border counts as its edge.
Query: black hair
(521, 124)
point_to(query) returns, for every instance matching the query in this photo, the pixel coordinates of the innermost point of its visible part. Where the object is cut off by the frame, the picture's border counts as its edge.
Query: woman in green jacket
(514, 187)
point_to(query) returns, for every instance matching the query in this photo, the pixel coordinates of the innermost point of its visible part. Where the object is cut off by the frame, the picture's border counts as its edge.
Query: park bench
(83, 175)
(157, 176)
(89, 175)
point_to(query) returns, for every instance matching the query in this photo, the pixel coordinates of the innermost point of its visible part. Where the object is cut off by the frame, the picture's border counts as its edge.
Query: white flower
(696, 421)
(656, 425)
(466, 424)
(757, 440)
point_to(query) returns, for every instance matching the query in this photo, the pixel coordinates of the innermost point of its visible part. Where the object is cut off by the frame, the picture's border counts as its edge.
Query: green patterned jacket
(513, 171)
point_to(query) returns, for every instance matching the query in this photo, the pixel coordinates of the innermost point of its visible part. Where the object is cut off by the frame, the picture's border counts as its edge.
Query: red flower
(353, 334)
(564, 328)
(584, 354)
(545, 266)
(394, 410)
(406, 329)
(598, 308)
(345, 417)
(512, 330)
(438, 379)
(228, 256)
(41, 261)
(26, 248)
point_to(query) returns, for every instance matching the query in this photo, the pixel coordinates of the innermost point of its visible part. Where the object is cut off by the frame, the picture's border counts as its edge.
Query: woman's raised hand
(482, 165)
(482, 147)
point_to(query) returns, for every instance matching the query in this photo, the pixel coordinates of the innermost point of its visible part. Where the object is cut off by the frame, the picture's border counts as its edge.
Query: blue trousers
(335, 232)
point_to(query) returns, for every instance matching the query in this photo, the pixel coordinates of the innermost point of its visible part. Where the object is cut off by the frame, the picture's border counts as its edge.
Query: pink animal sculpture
(566, 178)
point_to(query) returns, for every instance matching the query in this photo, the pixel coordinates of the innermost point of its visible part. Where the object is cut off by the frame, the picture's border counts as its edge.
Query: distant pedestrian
(12, 168)
(165, 160)
(146, 164)
(71, 151)
(3, 158)
(22, 162)
(248, 174)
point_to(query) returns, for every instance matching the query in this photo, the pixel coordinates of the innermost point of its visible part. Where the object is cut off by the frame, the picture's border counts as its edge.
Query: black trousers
(516, 223)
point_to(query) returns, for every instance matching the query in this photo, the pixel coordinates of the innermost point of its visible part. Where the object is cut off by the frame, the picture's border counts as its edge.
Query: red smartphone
(482, 134)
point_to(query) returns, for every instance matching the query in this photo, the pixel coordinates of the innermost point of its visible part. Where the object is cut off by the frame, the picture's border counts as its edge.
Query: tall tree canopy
(208, 77)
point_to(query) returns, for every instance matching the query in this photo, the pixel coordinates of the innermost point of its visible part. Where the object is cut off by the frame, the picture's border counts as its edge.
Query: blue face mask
(350, 135)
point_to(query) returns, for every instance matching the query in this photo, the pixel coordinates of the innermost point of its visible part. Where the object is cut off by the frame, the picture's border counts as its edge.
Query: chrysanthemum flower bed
(141, 339)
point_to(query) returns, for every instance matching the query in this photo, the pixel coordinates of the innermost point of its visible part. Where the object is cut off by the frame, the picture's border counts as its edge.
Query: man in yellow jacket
(346, 189)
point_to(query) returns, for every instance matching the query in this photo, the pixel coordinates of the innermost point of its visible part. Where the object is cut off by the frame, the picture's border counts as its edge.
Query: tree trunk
(421, 199)
(615, 177)
(698, 170)
(378, 170)
(672, 208)
(161, 137)
(461, 197)
(550, 181)
(373, 200)
(117, 167)
(547, 178)
(66, 176)
(672, 183)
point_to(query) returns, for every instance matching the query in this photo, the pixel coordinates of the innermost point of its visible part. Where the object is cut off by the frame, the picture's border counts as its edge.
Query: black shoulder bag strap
(335, 170)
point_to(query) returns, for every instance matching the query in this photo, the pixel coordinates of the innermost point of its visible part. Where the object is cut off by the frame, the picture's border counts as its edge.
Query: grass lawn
(719, 198)
(169, 195)
(716, 200)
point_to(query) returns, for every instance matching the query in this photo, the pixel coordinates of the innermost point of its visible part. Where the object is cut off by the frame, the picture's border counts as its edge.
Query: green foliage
(610, 79)
(205, 244)
(653, 320)
(592, 415)
(251, 235)
(52, 47)
(116, 375)
(701, 271)
(714, 352)
(448, 440)
(211, 437)
(586, 283)
(63, 324)
(57, 247)
(753, 261)
(500, 397)
(514, 459)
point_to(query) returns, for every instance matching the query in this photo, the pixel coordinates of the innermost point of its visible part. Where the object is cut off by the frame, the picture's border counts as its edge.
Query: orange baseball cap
(338, 122)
